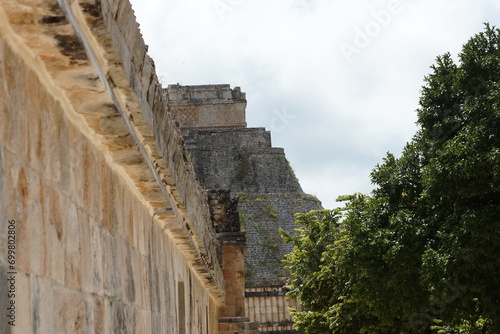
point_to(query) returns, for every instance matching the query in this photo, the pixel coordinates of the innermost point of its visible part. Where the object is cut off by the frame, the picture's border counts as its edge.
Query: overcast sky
(337, 82)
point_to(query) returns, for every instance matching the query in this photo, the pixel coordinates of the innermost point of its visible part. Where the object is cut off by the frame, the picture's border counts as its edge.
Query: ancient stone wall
(207, 106)
(113, 233)
(112, 230)
(262, 216)
(90, 256)
(243, 161)
(270, 307)
(240, 160)
(131, 70)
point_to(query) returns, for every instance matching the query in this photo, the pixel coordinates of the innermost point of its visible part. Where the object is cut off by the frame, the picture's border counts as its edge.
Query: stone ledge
(203, 94)
(237, 325)
(131, 71)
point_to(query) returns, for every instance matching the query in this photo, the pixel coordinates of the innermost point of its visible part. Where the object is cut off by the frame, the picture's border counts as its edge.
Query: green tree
(422, 253)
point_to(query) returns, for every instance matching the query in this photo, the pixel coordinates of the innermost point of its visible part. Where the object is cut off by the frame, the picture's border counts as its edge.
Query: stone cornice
(91, 57)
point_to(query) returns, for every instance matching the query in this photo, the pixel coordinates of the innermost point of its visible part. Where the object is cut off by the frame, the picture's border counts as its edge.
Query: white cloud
(287, 55)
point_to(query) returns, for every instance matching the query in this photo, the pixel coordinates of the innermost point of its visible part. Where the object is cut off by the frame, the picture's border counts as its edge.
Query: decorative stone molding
(206, 106)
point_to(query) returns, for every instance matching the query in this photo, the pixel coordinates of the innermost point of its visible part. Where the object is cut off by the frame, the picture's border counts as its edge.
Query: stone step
(237, 325)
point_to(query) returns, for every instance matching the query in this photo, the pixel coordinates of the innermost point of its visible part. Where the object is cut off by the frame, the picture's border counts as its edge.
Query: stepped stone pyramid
(228, 155)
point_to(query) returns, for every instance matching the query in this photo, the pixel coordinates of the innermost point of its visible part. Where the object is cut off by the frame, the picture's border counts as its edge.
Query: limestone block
(156, 322)
(54, 235)
(35, 142)
(15, 135)
(51, 122)
(125, 263)
(137, 44)
(147, 230)
(96, 186)
(109, 180)
(111, 272)
(86, 256)
(122, 212)
(154, 287)
(107, 316)
(162, 250)
(35, 245)
(72, 245)
(42, 305)
(110, 7)
(121, 48)
(99, 315)
(67, 179)
(122, 317)
(79, 166)
(28, 222)
(135, 80)
(129, 223)
(123, 17)
(143, 321)
(164, 295)
(96, 255)
(169, 255)
(140, 230)
(145, 284)
(69, 310)
(137, 270)
(88, 322)
(155, 241)
(146, 75)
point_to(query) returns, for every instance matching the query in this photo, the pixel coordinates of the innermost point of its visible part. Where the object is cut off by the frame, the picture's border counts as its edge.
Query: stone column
(233, 268)
(231, 250)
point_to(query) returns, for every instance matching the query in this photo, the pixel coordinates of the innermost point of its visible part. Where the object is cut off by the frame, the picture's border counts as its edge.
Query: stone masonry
(207, 106)
(119, 198)
(243, 161)
(113, 232)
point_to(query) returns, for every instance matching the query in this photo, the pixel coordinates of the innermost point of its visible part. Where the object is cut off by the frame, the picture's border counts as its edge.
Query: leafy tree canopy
(422, 253)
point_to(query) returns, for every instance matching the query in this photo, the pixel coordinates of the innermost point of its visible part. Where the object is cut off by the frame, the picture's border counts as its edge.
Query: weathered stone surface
(207, 106)
(262, 215)
(228, 157)
(223, 211)
(100, 246)
(111, 217)
(240, 160)
(270, 307)
(244, 162)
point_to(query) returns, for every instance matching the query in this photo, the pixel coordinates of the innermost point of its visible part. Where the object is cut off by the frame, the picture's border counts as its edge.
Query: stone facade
(243, 161)
(91, 257)
(207, 106)
(270, 308)
(114, 229)
(113, 233)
